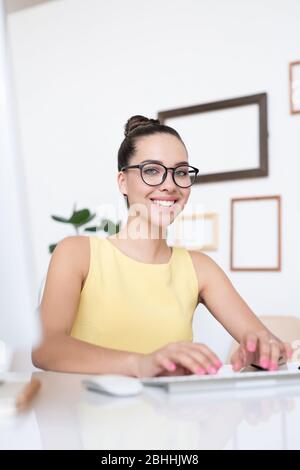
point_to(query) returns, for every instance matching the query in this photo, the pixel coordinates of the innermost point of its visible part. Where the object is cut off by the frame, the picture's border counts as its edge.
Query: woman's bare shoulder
(74, 250)
(204, 266)
(66, 274)
(200, 259)
(208, 271)
(73, 241)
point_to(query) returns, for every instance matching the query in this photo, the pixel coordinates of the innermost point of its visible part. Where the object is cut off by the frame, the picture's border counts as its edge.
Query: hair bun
(136, 121)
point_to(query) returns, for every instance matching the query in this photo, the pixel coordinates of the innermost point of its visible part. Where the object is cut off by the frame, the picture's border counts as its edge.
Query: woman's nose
(169, 182)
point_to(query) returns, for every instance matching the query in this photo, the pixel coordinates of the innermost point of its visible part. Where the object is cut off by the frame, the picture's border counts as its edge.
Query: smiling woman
(125, 304)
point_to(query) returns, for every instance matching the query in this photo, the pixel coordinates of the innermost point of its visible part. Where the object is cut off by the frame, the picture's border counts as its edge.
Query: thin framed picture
(227, 139)
(199, 231)
(294, 84)
(255, 238)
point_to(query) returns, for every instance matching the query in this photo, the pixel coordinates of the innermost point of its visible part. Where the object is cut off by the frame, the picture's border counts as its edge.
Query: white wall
(83, 67)
(17, 275)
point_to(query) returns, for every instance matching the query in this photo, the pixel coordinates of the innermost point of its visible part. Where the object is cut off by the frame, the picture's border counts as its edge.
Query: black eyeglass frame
(142, 165)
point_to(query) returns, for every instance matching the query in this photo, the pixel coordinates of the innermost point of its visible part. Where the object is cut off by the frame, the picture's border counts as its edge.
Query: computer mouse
(115, 385)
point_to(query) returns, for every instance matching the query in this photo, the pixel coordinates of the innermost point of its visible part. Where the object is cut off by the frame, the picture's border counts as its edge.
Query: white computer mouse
(116, 385)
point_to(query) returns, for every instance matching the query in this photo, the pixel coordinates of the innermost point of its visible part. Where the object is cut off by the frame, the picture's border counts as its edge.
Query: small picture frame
(255, 238)
(294, 85)
(199, 232)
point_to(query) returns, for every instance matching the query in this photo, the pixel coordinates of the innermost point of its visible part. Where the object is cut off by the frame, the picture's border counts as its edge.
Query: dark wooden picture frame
(294, 87)
(248, 226)
(261, 101)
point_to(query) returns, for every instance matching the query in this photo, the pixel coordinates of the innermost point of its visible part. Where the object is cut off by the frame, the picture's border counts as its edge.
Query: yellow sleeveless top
(134, 306)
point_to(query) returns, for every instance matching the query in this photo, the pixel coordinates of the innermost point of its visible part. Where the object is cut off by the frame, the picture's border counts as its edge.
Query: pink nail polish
(264, 363)
(251, 346)
(211, 370)
(289, 354)
(172, 366)
(273, 366)
(200, 371)
(218, 363)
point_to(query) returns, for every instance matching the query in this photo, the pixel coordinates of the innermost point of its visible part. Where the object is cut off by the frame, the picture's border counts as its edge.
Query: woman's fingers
(205, 362)
(247, 351)
(180, 370)
(258, 349)
(210, 355)
(184, 359)
(264, 353)
(274, 355)
(238, 359)
(273, 352)
(250, 342)
(288, 350)
(262, 349)
(269, 351)
(193, 357)
(235, 360)
(286, 353)
(165, 362)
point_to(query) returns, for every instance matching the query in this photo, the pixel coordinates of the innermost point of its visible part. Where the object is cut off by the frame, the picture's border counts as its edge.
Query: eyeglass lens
(153, 174)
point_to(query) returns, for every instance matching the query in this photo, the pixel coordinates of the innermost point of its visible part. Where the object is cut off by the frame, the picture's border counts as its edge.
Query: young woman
(124, 305)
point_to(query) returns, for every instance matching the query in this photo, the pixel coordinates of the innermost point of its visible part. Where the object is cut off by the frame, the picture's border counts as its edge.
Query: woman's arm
(217, 293)
(227, 306)
(58, 351)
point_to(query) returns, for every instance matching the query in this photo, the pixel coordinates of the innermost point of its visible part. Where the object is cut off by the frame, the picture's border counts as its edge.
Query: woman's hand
(178, 359)
(262, 349)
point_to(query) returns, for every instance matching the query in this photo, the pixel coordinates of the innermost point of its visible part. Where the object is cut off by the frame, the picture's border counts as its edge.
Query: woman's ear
(122, 183)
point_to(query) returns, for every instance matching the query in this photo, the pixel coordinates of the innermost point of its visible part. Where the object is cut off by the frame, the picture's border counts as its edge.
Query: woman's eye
(181, 173)
(151, 171)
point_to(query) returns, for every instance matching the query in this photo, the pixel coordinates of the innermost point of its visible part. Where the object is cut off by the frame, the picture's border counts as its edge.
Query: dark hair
(140, 126)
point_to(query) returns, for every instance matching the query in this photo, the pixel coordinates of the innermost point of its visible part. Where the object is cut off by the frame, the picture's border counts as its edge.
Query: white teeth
(163, 203)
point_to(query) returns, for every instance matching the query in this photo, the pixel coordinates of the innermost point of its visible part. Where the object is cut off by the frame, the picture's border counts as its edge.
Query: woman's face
(169, 151)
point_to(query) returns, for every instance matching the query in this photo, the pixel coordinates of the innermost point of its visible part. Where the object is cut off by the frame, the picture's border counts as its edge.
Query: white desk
(66, 416)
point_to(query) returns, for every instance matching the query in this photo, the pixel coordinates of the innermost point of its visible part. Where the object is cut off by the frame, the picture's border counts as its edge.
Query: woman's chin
(162, 221)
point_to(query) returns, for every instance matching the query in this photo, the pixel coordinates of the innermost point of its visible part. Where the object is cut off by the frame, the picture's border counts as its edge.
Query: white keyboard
(226, 378)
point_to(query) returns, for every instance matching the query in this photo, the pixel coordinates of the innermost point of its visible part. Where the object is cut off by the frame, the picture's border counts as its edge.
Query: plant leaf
(52, 248)
(60, 219)
(111, 227)
(81, 217)
(102, 224)
(92, 216)
(91, 229)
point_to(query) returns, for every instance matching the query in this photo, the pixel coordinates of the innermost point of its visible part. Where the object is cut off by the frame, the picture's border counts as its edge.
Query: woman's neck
(148, 244)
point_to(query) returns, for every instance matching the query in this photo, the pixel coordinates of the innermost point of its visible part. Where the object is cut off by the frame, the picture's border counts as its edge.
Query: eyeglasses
(155, 174)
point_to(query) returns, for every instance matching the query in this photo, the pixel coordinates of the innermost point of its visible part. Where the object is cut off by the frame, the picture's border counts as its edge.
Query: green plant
(80, 218)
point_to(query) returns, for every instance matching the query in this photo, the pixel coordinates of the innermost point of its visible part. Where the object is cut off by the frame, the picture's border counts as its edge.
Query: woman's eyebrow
(159, 161)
